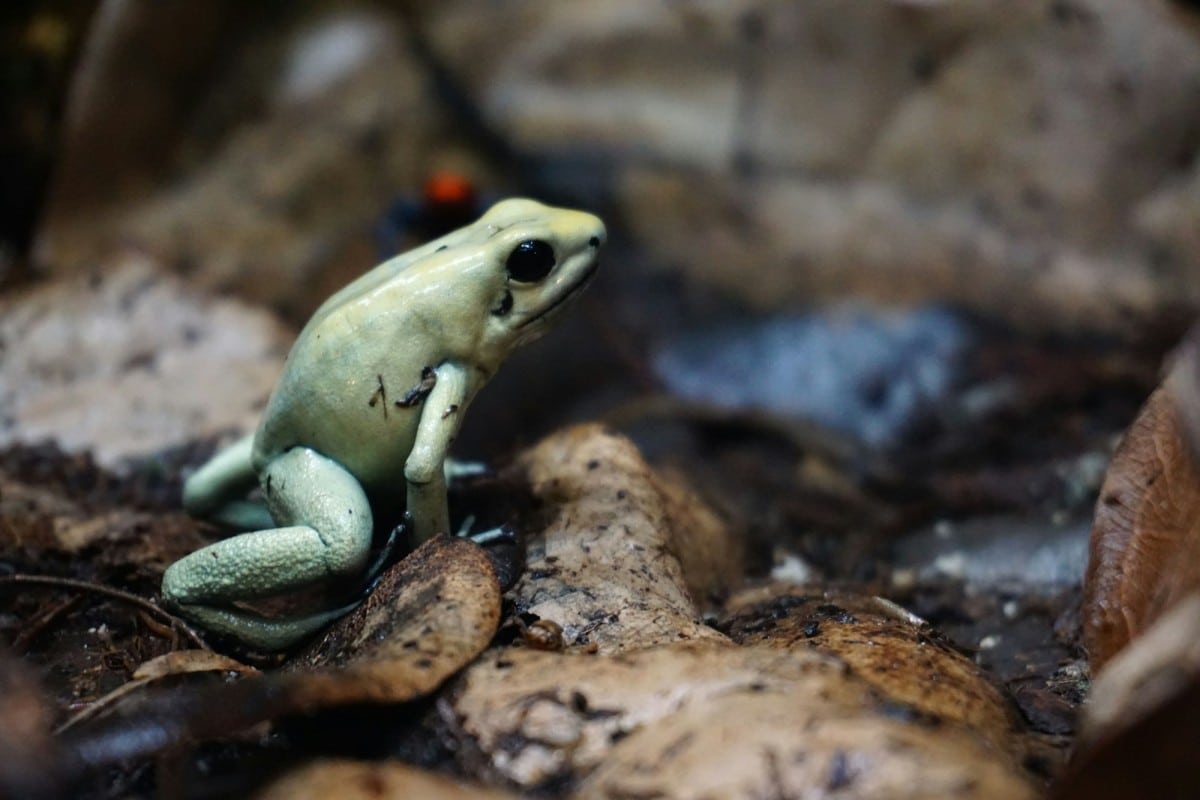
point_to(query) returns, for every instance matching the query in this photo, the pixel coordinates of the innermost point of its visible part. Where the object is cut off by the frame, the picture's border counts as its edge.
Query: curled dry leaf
(1148, 673)
(904, 716)
(702, 719)
(666, 707)
(182, 661)
(176, 662)
(359, 780)
(792, 743)
(608, 565)
(541, 716)
(1142, 719)
(1145, 545)
(429, 616)
(907, 663)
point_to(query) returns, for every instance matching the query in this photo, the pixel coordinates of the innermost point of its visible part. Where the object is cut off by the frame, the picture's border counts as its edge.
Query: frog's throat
(566, 296)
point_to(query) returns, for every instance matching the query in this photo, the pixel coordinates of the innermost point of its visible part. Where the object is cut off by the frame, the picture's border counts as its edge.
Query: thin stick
(96, 588)
(42, 620)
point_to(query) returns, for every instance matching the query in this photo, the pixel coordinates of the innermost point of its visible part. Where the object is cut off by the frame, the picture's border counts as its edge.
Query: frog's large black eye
(530, 261)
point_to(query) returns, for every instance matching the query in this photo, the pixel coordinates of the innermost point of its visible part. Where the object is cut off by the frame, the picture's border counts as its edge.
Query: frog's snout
(594, 229)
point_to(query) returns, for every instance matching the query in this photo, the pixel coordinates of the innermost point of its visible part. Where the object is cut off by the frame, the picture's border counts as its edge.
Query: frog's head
(541, 259)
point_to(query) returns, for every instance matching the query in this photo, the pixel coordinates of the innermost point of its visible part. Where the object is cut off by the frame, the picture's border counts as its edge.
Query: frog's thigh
(325, 532)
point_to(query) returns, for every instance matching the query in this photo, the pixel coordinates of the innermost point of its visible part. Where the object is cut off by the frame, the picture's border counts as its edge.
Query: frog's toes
(457, 470)
(506, 534)
(398, 541)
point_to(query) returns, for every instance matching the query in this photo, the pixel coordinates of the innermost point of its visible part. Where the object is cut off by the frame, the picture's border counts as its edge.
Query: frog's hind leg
(325, 534)
(217, 491)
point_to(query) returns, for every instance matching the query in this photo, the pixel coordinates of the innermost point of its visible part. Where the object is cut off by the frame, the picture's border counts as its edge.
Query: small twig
(40, 621)
(96, 588)
(156, 627)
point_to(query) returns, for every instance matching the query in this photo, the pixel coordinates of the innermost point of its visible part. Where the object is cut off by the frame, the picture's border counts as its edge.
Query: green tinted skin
(371, 397)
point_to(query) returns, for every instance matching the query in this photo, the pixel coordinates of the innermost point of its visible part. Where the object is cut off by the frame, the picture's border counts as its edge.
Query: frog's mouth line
(579, 286)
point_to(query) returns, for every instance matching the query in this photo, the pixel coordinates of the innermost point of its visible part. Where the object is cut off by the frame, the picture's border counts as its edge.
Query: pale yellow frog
(371, 397)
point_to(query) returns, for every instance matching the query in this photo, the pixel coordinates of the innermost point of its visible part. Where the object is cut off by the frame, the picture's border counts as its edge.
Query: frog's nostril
(594, 242)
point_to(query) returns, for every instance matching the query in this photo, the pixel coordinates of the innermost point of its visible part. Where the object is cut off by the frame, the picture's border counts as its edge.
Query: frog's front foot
(399, 535)
(455, 470)
(326, 535)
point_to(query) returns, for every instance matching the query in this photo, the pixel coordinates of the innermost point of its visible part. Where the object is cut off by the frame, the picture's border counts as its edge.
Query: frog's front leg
(424, 471)
(325, 533)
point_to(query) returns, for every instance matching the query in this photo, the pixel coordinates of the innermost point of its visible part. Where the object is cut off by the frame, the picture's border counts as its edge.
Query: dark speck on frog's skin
(379, 395)
(418, 393)
(505, 305)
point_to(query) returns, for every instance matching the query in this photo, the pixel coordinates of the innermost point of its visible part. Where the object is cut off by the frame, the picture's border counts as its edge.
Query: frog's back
(339, 400)
(380, 276)
(354, 380)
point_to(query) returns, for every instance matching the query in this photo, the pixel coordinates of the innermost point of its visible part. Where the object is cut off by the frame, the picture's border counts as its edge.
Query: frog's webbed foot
(325, 535)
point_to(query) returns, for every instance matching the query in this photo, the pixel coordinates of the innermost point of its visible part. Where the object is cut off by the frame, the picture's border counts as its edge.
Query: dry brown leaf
(176, 662)
(907, 663)
(1142, 719)
(1145, 546)
(607, 564)
(1157, 666)
(716, 721)
(667, 707)
(359, 780)
(540, 716)
(430, 615)
(792, 743)
(183, 661)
